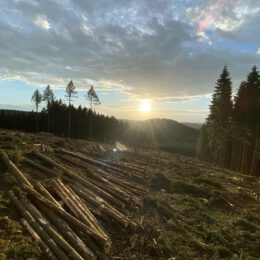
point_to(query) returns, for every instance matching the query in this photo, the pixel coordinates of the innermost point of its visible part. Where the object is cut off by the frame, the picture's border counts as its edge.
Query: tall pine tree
(247, 119)
(247, 101)
(219, 120)
(222, 107)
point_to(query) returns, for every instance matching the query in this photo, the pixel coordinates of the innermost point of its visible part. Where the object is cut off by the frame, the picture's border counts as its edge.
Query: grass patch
(188, 188)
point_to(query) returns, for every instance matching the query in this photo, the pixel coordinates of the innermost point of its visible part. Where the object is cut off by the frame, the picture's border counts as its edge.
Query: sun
(145, 106)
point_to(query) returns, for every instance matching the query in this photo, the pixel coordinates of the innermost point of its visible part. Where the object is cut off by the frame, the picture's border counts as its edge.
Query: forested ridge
(54, 119)
(86, 124)
(231, 135)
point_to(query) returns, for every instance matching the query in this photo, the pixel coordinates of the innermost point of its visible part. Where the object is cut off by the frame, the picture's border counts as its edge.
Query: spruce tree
(247, 101)
(247, 119)
(222, 107)
(219, 120)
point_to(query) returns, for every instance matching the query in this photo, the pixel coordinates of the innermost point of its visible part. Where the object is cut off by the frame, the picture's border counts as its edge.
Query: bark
(67, 232)
(75, 223)
(14, 170)
(45, 249)
(70, 251)
(81, 180)
(40, 231)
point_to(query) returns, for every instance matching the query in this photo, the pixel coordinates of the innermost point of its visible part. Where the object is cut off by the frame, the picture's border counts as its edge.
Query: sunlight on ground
(145, 106)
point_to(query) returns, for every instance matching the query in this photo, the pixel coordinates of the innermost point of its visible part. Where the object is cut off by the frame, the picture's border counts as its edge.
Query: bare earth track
(130, 204)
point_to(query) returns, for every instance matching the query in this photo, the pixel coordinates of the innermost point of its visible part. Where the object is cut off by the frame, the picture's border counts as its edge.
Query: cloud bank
(159, 49)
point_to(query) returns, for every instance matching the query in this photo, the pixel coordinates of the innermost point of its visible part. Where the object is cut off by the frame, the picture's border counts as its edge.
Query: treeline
(85, 123)
(231, 135)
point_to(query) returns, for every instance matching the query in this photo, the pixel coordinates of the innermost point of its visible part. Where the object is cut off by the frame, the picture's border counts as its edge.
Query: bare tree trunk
(236, 159)
(253, 162)
(36, 122)
(69, 122)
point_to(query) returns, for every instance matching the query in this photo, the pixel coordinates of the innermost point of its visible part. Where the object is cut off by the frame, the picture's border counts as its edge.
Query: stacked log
(117, 189)
(66, 212)
(119, 170)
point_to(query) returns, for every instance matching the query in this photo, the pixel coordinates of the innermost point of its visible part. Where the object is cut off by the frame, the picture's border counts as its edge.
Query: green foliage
(247, 106)
(221, 107)
(230, 137)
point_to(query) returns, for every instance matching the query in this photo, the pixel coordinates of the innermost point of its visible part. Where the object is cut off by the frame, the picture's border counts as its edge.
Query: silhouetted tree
(247, 119)
(37, 99)
(92, 97)
(233, 139)
(203, 150)
(71, 93)
(219, 120)
(247, 101)
(94, 100)
(48, 97)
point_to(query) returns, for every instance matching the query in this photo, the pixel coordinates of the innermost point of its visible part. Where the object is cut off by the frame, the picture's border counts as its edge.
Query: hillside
(189, 210)
(193, 125)
(166, 134)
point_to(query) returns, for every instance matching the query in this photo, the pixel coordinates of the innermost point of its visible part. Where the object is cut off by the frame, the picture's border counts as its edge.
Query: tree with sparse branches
(37, 99)
(48, 97)
(93, 98)
(71, 93)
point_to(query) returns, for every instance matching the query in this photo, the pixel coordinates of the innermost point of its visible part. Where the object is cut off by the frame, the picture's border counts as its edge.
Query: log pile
(95, 148)
(68, 214)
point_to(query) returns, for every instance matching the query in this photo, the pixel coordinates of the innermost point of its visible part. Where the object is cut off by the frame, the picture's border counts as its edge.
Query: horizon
(167, 52)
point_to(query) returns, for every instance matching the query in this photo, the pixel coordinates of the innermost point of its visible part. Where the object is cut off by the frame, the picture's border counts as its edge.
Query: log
(115, 188)
(41, 189)
(126, 184)
(45, 249)
(81, 180)
(84, 213)
(102, 207)
(83, 228)
(72, 204)
(66, 200)
(100, 201)
(97, 163)
(40, 231)
(40, 167)
(109, 187)
(67, 232)
(51, 231)
(13, 169)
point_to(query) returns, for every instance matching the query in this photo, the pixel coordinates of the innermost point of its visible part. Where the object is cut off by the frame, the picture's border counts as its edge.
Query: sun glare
(145, 106)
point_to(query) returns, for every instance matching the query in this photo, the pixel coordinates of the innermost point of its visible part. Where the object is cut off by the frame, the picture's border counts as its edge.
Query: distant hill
(165, 134)
(193, 125)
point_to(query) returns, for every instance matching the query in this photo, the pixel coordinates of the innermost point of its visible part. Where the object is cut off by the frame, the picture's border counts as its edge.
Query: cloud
(142, 48)
(42, 22)
(178, 99)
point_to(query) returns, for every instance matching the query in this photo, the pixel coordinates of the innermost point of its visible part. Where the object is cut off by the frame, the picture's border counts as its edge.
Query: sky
(169, 52)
